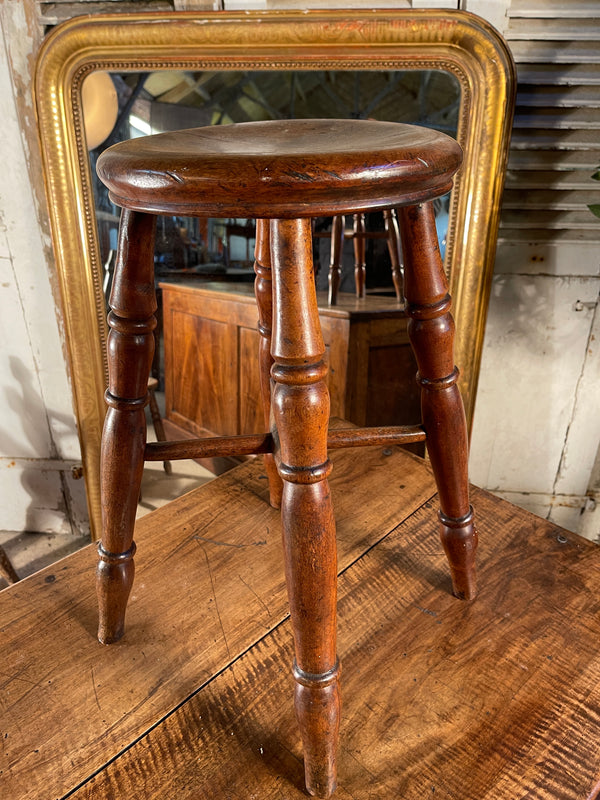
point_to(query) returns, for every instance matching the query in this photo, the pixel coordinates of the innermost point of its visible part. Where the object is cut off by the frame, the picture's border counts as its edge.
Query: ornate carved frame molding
(456, 42)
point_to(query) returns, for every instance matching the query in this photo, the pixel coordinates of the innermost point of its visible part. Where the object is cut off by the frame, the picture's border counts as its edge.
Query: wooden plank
(553, 8)
(570, 52)
(216, 301)
(559, 74)
(209, 584)
(554, 29)
(207, 348)
(550, 200)
(546, 160)
(492, 700)
(53, 13)
(540, 179)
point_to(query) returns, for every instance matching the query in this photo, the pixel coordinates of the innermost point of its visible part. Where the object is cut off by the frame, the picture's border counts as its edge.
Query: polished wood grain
(222, 542)
(285, 168)
(300, 406)
(431, 331)
(286, 172)
(247, 389)
(130, 352)
(372, 369)
(493, 705)
(495, 700)
(265, 443)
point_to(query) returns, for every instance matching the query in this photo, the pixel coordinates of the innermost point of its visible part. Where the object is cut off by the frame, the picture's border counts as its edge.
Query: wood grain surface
(492, 700)
(497, 699)
(209, 585)
(281, 168)
(210, 332)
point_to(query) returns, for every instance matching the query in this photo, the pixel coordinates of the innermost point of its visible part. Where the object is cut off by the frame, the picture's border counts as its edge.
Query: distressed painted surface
(583, 436)
(247, 5)
(536, 431)
(562, 258)
(533, 358)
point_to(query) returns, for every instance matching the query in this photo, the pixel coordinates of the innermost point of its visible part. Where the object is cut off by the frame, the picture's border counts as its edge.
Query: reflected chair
(283, 173)
(359, 235)
(157, 422)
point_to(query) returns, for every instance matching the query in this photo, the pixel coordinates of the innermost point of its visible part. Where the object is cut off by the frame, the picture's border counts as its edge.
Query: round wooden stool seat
(312, 167)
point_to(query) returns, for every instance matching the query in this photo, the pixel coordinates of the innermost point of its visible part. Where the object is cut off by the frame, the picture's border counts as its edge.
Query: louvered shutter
(556, 136)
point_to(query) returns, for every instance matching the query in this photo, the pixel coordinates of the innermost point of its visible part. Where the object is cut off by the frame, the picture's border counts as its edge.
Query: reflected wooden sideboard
(211, 364)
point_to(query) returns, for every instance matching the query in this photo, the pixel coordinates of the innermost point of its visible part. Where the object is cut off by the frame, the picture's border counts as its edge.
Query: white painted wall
(537, 428)
(536, 433)
(38, 439)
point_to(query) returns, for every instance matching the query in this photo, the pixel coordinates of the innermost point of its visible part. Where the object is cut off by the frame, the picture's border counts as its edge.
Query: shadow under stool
(283, 173)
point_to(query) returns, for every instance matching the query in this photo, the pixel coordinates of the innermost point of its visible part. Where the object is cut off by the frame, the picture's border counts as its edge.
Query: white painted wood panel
(534, 353)
(37, 423)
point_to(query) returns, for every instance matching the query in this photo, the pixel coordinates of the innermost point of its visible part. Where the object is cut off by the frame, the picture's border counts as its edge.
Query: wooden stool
(283, 173)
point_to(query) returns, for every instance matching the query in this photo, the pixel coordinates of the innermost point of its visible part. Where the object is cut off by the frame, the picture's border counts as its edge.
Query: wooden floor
(497, 699)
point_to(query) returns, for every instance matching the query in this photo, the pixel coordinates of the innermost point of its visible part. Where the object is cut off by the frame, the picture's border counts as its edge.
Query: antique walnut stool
(282, 173)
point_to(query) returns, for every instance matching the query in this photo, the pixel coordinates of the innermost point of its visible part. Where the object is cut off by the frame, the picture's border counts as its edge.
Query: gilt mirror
(448, 69)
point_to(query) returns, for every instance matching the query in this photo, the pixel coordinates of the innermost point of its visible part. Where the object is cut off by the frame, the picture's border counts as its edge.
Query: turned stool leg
(390, 219)
(360, 264)
(431, 332)
(263, 288)
(130, 351)
(301, 412)
(335, 260)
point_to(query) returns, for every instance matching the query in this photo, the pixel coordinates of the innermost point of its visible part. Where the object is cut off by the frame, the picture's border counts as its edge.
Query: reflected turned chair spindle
(283, 174)
(359, 235)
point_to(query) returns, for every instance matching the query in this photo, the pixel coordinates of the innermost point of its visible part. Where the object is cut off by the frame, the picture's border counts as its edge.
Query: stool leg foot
(263, 289)
(301, 413)
(431, 332)
(130, 351)
(317, 702)
(459, 539)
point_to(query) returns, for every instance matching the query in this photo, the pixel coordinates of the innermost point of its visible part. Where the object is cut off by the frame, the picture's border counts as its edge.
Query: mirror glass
(222, 249)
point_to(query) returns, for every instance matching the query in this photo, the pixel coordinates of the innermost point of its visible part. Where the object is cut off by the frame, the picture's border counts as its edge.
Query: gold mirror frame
(455, 42)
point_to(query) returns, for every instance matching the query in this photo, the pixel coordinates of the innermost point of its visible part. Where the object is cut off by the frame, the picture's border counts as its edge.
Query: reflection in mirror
(154, 102)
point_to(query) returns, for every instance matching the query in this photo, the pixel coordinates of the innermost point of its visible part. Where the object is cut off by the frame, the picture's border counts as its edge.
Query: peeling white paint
(37, 421)
(535, 349)
(22, 46)
(582, 438)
